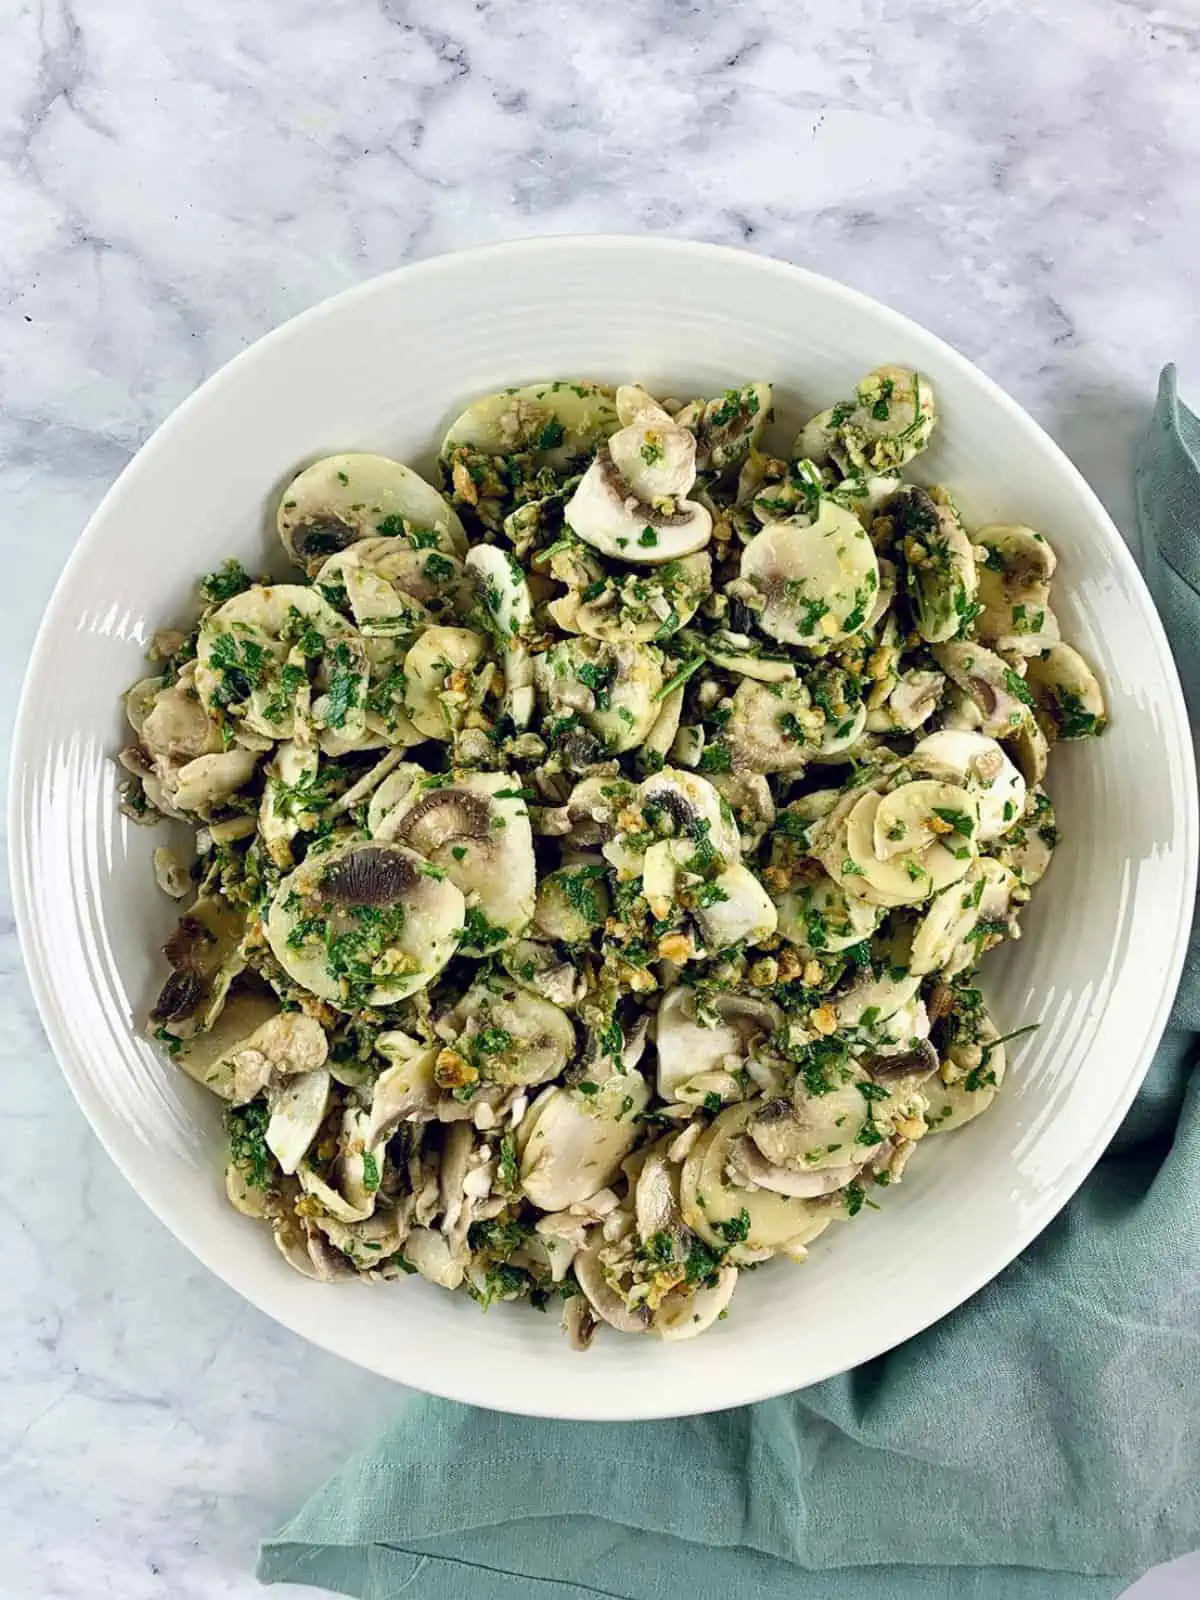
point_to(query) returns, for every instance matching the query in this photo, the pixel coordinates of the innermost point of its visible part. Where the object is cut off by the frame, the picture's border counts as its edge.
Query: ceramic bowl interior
(383, 368)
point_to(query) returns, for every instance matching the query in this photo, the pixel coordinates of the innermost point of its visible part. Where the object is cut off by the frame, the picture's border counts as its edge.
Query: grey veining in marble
(176, 177)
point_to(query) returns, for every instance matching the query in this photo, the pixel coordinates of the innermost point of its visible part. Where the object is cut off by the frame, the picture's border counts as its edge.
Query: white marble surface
(178, 177)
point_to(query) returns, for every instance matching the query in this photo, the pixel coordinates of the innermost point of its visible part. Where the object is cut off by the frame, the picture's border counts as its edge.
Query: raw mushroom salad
(593, 857)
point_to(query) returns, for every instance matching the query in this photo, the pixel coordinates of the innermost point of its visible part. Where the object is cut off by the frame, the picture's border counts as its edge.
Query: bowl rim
(173, 1211)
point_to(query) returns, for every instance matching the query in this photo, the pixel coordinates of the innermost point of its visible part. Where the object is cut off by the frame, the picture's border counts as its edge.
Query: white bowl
(381, 368)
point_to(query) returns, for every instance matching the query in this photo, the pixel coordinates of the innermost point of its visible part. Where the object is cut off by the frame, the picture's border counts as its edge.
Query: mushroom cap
(344, 498)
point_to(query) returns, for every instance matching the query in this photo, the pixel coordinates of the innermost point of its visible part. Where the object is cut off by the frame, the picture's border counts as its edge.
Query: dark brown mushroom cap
(442, 815)
(373, 876)
(921, 1058)
(179, 997)
(186, 947)
(323, 536)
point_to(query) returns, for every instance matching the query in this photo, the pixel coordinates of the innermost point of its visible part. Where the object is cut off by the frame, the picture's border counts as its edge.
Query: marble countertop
(177, 178)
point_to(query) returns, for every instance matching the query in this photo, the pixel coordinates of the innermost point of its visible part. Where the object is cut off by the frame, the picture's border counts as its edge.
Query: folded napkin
(1041, 1441)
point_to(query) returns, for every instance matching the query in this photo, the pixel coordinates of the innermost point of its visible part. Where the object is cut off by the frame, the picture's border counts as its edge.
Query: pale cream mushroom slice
(298, 1108)
(253, 1046)
(735, 908)
(772, 727)
(572, 901)
(555, 421)
(607, 514)
(709, 1200)
(344, 498)
(939, 565)
(436, 679)
(544, 969)
(364, 923)
(604, 1296)
(654, 456)
(508, 1034)
(208, 781)
(816, 582)
(812, 1133)
(393, 588)
(927, 811)
(361, 579)
(728, 429)
(1028, 847)
(172, 722)
(1070, 701)
(612, 688)
(1015, 565)
(206, 952)
(683, 1316)
(277, 652)
(998, 690)
(979, 765)
(870, 1003)
(694, 1044)
(950, 919)
(639, 606)
(888, 421)
(914, 698)
(579, 1138)
(849, 855)
(969, 1080)
(405, 1091)
(473, 827)
(428, 1250)
(818, 915)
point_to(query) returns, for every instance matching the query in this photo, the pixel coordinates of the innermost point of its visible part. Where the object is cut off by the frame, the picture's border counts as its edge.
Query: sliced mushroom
(887, 423)
(728, 430)
(640, 606)
(949, 920)
(436, 676)
(816, 581)
(405, 1091)
(1029, 845)
(735, 908)
(364, 923)
(652, 453)
(252, 1047)
(298, 1108)
(394, 590)
(733, 1028)
(206, 952)
(1015, 566)
(255, 655)
(579, 1138)
(572, 902)
(429, 1251)
(747, 1159)
(819, 915)
(613, 688)
(503, 591)
(975, 1073)
(607, 514)
(850, 855)
(476, 830)
(172, 723)
(210, 780)
(708, 1199)
(813, 1132)
(342, 499)
(683, 1316)
(553, 421)
(541, 968)
(604, 1299)
(939, 565)
(914, 699)
(509, 1034)
(998, 691)
(1069, 699)
(773, 727)
(980, 766)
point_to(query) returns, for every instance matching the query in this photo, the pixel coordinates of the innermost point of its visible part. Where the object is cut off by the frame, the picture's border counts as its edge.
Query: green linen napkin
(1042, 1441)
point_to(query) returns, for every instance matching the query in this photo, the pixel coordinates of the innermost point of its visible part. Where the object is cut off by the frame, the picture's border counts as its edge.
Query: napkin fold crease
(1040, 1443)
